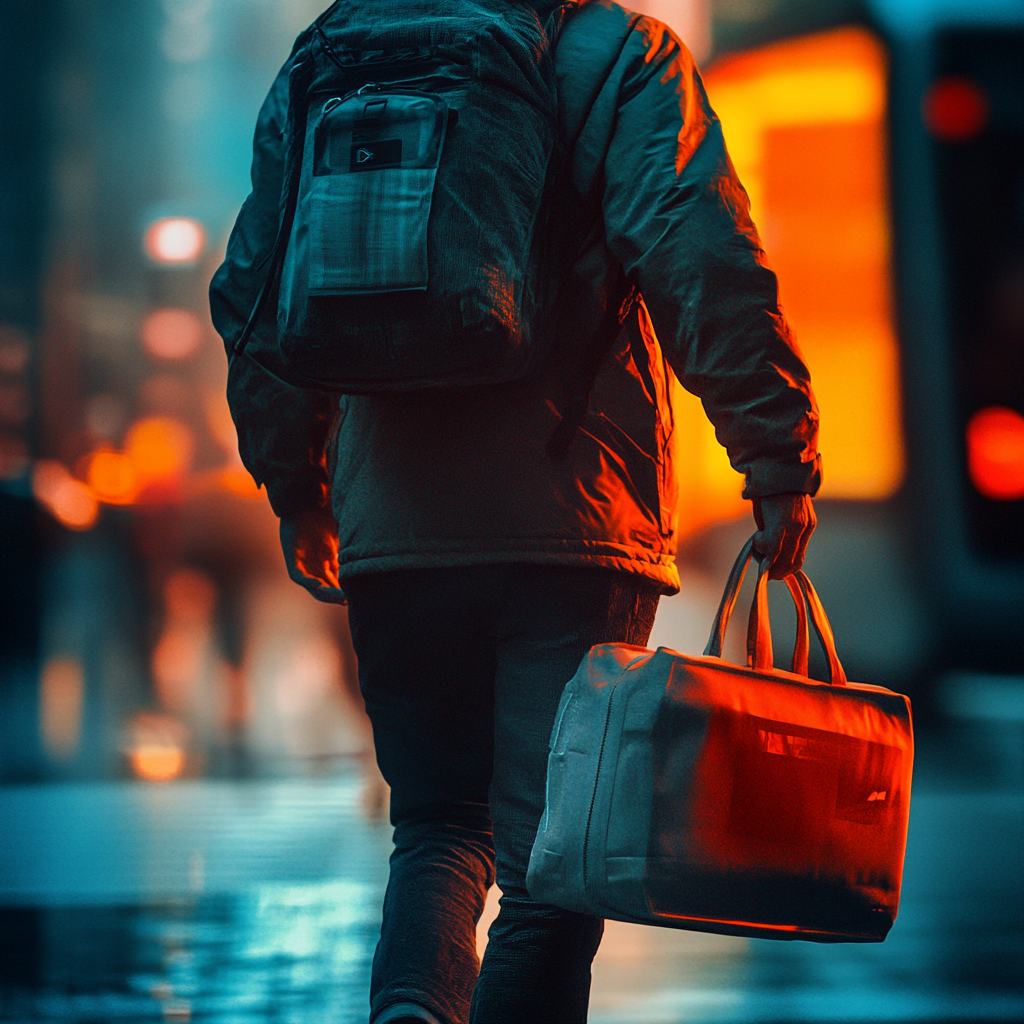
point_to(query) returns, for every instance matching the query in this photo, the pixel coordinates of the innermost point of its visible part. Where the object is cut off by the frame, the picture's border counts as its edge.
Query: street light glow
(175, 240)
(172, 333)
(995, 453)
(955, 109)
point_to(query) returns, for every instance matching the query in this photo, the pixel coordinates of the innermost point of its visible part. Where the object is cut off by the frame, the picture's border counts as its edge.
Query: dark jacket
(460, 478)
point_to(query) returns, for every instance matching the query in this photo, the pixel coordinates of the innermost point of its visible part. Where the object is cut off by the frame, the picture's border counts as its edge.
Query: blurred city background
(191, 824)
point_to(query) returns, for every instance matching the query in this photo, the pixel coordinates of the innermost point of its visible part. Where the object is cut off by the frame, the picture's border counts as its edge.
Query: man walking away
(486, 537)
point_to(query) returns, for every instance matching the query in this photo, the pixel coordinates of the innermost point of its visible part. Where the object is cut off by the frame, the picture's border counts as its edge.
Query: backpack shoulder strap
(589, 38)
(295, 126)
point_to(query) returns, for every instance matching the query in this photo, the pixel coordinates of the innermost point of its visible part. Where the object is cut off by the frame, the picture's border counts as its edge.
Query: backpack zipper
(402, 86)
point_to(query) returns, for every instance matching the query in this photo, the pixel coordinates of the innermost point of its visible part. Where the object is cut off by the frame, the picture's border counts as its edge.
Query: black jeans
(462, 670)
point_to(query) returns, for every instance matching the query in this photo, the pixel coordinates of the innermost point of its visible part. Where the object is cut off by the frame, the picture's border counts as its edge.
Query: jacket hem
(661, 572)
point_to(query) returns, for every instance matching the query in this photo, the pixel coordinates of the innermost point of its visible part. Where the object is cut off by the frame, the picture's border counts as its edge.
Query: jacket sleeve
(678, 219)
(282, 429)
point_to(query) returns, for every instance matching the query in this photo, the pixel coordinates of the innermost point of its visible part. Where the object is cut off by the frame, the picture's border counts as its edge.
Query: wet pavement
(257, 902)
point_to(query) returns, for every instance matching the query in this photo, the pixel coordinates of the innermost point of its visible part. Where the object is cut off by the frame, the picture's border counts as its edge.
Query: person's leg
(424, 640)
(537, 964)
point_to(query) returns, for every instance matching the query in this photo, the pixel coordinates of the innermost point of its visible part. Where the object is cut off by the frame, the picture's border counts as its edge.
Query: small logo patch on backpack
(373, 156)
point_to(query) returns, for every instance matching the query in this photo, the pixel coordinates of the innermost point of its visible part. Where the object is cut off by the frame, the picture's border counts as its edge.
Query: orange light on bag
(744, 800)
(955, 109)
(995, 453)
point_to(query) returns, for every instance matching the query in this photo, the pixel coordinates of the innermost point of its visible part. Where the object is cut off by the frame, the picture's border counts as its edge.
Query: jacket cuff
(783, 478)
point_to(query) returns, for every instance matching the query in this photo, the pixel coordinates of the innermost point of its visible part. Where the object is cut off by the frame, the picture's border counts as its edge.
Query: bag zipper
(600, 759)
(597, 779)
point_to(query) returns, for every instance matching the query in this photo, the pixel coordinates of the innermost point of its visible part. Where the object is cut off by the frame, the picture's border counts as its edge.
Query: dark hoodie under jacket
(463, 478)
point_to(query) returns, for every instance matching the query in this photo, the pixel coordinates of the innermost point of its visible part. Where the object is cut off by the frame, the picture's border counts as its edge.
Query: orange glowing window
(955, 108)
(804, 121)
(995, 453)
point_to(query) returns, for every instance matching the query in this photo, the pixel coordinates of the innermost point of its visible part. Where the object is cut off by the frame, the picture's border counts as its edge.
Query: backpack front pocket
(375, 160)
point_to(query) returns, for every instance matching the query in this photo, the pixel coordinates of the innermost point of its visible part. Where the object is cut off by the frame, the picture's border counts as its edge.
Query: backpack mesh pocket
(375, 161)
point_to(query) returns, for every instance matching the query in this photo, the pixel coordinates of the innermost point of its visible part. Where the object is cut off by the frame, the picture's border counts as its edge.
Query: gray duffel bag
(691, 793)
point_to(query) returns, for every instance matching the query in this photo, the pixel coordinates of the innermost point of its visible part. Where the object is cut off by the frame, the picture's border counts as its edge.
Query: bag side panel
(618, 882)
(556, 872)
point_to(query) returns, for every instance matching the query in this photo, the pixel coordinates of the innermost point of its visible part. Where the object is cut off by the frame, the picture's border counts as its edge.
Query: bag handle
(756, 644)
(759, 635)
(837, 674)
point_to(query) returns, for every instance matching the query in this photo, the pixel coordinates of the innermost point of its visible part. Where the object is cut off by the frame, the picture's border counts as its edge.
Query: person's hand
(785, 523)
(310, 542)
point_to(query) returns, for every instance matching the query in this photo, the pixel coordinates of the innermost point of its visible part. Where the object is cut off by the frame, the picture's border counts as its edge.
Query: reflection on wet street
(228, 902)
(258, 901)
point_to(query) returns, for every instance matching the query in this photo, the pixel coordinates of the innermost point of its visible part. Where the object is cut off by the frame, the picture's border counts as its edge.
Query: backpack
(422, 151)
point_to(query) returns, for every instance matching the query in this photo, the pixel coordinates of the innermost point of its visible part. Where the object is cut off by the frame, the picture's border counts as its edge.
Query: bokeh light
(61, 688)
(180, 655)
(189, 596)
(955, 108)
(105, 415)
(237, 481)
(68, 500)
(112, 477)
(156, 747)
(172, 333)
(175, 240)
(995, 453)
(160, 449)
